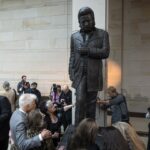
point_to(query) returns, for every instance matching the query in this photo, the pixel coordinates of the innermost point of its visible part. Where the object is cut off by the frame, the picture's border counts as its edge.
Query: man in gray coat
(19, 124)
(118, 105)
(88, 47)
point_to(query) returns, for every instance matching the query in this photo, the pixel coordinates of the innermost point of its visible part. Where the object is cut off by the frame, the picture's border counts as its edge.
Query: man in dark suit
(19, 124)
(5, 114)
(88, 47)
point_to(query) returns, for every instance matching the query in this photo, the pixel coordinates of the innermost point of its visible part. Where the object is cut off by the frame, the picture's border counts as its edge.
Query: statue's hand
(83, 50)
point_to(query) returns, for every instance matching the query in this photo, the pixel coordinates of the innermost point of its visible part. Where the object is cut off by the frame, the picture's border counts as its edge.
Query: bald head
(65, 88)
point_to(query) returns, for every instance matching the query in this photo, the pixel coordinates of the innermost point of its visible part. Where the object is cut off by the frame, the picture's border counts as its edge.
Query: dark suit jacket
(18, 127)
(5, 114)
(98, 45)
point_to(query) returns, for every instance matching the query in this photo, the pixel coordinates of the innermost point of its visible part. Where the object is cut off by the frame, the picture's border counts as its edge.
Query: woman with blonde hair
(130, 135)
(84, 136)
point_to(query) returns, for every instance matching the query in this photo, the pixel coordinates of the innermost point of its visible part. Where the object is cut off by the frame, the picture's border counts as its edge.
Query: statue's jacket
(98, 49)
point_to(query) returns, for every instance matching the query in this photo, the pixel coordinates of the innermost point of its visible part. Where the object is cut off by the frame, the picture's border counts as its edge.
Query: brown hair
(84, 135)
(113, 140)
(23, 76)
(112, 89)
(36, 120)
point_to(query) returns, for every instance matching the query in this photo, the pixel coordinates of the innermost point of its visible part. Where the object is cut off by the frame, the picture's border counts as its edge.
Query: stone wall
(129, 22)
(34, 40)
(129, 31)
(136, 52)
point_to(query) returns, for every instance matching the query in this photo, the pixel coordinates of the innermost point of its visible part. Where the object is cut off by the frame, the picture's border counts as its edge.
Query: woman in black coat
(53, 122)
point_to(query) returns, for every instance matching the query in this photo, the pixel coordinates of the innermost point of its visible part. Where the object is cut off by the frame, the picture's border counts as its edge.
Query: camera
(54, 88)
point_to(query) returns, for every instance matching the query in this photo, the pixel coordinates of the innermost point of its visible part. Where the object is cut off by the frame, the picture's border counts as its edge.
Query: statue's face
(86, 23)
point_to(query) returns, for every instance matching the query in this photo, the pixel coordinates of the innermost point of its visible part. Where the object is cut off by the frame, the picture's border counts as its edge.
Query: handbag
(124, 115)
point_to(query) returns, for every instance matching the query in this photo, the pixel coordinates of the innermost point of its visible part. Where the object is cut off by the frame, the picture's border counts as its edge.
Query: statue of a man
(88, 47)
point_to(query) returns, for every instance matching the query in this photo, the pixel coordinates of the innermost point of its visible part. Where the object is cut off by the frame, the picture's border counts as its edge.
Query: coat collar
(92, 36)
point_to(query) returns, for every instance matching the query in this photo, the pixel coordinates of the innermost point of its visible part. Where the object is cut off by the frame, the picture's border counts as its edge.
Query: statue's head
(86, 19)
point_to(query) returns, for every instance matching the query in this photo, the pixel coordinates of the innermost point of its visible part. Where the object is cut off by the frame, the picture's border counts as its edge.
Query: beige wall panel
(134, 52)
(136, 60)
(34, 40)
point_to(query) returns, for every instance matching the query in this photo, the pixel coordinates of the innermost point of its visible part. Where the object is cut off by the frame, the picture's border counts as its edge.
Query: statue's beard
(87, 29)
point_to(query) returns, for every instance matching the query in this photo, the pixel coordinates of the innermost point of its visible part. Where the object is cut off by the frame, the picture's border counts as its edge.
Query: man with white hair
(19, 124)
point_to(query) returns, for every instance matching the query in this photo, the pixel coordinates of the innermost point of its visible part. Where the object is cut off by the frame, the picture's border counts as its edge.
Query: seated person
(84, 136)
(113, 139)
(53, 122)
(36, 125)
(130, 135)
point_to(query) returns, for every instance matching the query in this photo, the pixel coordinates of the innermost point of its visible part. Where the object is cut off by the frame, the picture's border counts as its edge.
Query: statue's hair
(84, 11)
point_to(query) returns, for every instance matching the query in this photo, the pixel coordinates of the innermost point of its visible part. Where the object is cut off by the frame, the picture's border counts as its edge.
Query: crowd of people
(36, 124)
(33, 119)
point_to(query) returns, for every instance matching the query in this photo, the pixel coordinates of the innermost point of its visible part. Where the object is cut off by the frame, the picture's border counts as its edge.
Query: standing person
(21, 85)
(55, 93)
(19, 124)
(53, 122)
(117, 104)
(36, 124)
(66, 99)
(33, 90)
(10, 94)
(5, 114)
(88, 47)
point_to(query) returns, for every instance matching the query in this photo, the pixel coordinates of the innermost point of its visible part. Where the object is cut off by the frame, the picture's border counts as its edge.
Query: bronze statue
(88, 47)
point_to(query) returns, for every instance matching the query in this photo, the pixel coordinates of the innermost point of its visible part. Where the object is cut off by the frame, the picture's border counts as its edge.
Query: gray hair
(26, 99)
(6, 85)
(49, 103)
